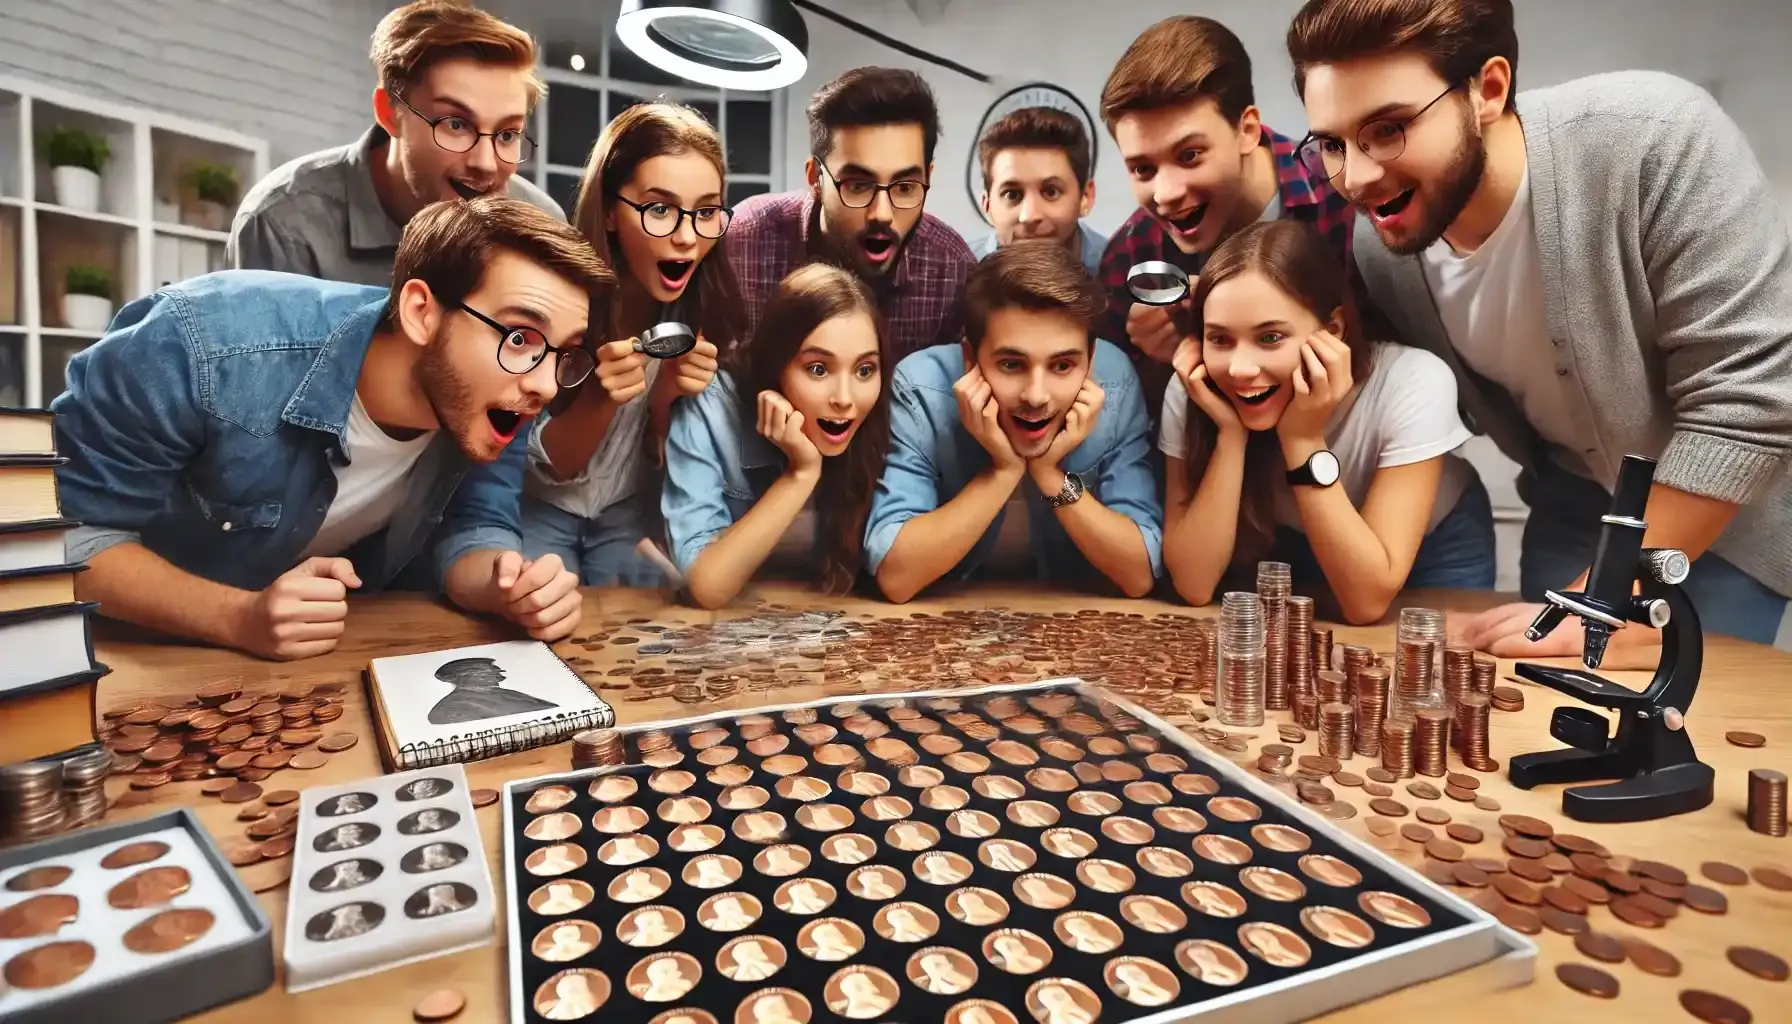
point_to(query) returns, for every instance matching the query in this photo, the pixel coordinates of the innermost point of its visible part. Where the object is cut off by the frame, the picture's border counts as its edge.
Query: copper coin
(1388, 808)
(1587, 890)
(442, 1004)
(617, 820)
(1032, 813)
(48, 966)
(1626, 909)
(775, 1005)
(1415, 833)
(1470, 876)
(1664, 909)
(1527, 826)
(1599, 946)
(1379, 826)
(858, 992)
(1330, 871)
(168, 930)
(151, 887)
(31, 879)
(1439, 872)
(212, 787)
(744, 798)
(1713, 1008)
(1423, 790)
(40, 915)
(611, 789)
(650, 926)
(1773, 878)
(133, 854)
(1517, 890)
(900, 922)
(572, 994)
(698, 838)
(1557, 863)
(1758, 962)
(1519, 919)
(1651, 959)
(1530, 870)
(1444, 850)
(1460, 794)
(1281, 838)
(887, 808)
(1565, 899)
(802, 788)
(1746, 739)
(1432, 815)
(729, 774)
(1558, 920)
(784, 764)
(1662, 890)
(1571, 844)
(1045, 891)
(1274, 944)
(1723, 874)
(1464, 833)
(1705, 899)
(555, 860)
(1234, 808)
(241, 793)
(882, 882)
(1272, 884)
(1589, 866)
(1588, 980)
(1195, 784)
(1223, 849)
(1660, 872)
(1519, 846)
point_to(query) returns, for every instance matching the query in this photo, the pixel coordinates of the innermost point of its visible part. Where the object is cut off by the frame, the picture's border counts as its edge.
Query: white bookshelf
(143, 234)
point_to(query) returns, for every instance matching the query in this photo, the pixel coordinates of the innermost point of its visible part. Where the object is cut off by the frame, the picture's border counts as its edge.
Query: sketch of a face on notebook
(497, 689)
(479, 693)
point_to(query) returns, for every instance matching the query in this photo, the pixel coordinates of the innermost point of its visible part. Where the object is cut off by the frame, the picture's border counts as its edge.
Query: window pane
(749, 139)
(620, 101)
(742, 189)
(575, 116)
(627, 67)
(564, 188)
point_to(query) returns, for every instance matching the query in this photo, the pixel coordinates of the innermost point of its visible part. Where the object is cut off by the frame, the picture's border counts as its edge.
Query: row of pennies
(425, 375)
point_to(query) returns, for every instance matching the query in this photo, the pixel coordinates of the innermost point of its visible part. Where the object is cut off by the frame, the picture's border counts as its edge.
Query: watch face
(1325, 468)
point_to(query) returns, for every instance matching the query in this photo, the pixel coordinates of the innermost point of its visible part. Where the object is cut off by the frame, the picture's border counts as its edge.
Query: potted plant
(87, 299)
(215, 192)
(76, 158)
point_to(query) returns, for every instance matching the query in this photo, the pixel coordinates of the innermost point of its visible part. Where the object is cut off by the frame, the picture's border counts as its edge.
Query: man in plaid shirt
(871, 135)
(1179, 105)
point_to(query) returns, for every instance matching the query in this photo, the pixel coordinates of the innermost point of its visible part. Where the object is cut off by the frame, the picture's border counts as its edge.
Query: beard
(1453, 191)
(449, 395)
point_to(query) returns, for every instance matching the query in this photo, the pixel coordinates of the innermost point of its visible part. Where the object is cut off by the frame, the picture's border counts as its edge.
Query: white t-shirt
(1405, 412)
(1491, 304)
(370, 487)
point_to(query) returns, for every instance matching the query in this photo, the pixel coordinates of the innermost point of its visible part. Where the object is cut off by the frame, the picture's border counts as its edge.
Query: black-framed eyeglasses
(1380, 140)
(858, 193)
(521, 349)
(456, 134)
(662, 219)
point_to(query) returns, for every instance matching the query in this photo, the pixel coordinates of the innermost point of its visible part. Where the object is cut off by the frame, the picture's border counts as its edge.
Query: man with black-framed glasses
(451, 112)
(1603, 265)
(872, 133)
(246, 447)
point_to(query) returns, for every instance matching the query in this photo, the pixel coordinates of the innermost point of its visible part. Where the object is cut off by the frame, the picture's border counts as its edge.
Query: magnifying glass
(1157, 283)
(668, 340)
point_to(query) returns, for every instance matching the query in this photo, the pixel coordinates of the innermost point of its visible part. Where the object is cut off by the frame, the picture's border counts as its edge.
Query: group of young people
(427, 375)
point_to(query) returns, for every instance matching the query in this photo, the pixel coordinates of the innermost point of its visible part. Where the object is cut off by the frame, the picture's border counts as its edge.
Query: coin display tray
(394, 891)
(234, 959)
(1458, 936)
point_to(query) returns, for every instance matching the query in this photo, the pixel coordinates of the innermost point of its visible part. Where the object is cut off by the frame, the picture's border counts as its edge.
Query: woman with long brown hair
(653, 204)
(1312, 445)
(775, 463)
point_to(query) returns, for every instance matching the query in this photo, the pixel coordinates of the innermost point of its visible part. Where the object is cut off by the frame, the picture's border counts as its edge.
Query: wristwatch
(1067, 494)
(1320, 470)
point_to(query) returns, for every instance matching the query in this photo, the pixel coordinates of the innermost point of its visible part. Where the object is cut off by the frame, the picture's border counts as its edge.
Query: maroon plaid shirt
(772, 235)
(1305, 197)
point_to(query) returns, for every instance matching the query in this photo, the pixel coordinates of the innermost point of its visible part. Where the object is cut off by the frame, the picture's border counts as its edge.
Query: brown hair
(1178, 61)
(807, 298)
(1036, 274)
(448, 245)
(1037, 128)
(1297, 260)
(411, 38)
(872, 96)
(633, 137)
(1458, 37)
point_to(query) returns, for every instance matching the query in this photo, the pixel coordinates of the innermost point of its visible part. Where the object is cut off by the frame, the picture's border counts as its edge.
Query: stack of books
(47, 673)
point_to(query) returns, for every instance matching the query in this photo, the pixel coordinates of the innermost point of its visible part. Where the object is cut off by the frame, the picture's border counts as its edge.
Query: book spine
(498, 742)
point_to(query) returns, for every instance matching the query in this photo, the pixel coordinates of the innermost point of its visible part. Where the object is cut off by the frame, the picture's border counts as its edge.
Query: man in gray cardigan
(1604, 266)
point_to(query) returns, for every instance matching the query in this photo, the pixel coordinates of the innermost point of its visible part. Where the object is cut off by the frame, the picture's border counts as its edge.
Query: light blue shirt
(1094, 243)
(717, 469)
(932, 457)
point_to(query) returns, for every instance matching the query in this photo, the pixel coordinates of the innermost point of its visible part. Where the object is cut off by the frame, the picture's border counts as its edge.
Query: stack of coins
(1767, 802)
(1356, 658)
(1337, 729)
(1322, 647)
(84, 786)
(30, 801)
(1207, 657)
(1417, 640)
(1306, 709)
(1371, 695)
(594, 747)
(1471, 725)
(1481, 674)
(658, 739)
(1431, 741)
(1397, 747)
(1507, 698)
(1332, 687)
(1459, 666)
(723, 688)
(1274, 582)
(1300, 645)
(1239, 686)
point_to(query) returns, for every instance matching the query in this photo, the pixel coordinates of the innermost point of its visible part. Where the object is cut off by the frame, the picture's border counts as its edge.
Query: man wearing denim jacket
(246, 446)
(1027, 396)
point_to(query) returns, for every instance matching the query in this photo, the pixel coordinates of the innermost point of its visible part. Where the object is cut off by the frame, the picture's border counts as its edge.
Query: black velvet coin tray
(1455, 935)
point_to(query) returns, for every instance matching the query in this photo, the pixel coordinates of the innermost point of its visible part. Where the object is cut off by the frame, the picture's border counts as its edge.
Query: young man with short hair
(1180, 107)
(247, 446)
(1036, 183)
(872, 133)
(1605, 268)
(451, 112)
(1027, 396)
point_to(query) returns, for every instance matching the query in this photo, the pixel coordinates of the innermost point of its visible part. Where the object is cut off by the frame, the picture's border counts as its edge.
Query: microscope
(1650, 754)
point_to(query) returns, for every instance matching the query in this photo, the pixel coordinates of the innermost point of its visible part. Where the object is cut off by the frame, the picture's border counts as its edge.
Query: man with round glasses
(451, 111)
(246, 447)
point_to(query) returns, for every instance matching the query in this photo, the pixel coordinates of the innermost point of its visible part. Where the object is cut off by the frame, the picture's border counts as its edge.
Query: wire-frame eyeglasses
(456, 134)
(858, 193)
(1380, 140)
(521, 349)
(661, 219)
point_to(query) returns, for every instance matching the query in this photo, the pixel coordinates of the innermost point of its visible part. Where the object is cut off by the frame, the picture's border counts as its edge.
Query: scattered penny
(1379, 774)
(276, 848)
(1460, 794)
(1705, 899)
(1571, 844)
(1395, 809)
(1588, 866)
(1377, 789)
(1654, 887)
(1530, 870)
(212, 787)
(1491, 865)
(1379, 825)
(1664, 909)
(1599, 946)
(1444, 850)
(1758, 962)
(336, 743)
(1626, 909)
(1350, 779)
(1587, 889)
(280, 797)
(242, 853)
(1774, 878)
(1423, 790)
(1651, 959)
(1746, 739)
(241, 793)
(441, 1004)
(1723, 874)
(1713, 1008)
(1557, 863)
(1486, 803)
(1416, 834)
(1659, 871)
(1439, 872)
(1531, 849)
(1620, 882)
(308, 760)
(1466, 874)
(1519, 919)
(1463, 832)
(1587, 980)
(1432, 815)
(1517, 890)
(1525, 825)
(1464, 781)
(483, 798)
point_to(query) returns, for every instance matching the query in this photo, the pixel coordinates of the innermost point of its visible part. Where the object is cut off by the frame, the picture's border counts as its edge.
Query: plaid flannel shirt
(1304, 196)
(772, 235)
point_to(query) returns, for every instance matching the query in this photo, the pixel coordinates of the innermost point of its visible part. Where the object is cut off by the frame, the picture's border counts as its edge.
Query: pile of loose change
(222, 732)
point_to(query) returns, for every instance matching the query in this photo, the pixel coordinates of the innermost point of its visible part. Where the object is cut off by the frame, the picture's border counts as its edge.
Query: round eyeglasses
(521, 349)
(858, 193)
(456, 134)
(661, 219)
(1380, 140)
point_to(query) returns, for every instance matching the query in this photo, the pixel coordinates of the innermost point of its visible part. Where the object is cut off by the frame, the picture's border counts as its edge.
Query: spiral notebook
(471, 703)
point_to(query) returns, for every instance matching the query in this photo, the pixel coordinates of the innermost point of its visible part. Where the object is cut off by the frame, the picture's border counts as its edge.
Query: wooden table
(1744, 688)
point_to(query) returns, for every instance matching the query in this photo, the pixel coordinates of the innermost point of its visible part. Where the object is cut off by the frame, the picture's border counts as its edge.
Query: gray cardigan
(1668, 272)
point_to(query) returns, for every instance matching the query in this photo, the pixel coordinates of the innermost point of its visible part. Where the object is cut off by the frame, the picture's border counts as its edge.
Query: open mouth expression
(1031, 434)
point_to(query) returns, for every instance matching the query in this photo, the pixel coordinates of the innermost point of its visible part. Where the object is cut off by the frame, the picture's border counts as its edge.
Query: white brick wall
(293, 72)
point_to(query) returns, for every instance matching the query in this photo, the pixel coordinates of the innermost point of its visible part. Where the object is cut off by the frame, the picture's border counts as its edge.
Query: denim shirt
(206, 423)
(716, 469)
(932, 458)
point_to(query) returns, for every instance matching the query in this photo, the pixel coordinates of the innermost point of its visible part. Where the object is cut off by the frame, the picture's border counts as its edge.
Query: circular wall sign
(1034, 94)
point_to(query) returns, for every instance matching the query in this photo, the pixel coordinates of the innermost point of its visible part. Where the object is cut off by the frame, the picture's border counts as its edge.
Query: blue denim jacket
(932, 457)
(205, 424)
(716, 469)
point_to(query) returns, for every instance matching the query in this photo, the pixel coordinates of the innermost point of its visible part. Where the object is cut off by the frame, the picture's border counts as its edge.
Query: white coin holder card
(386, 871)
(230, 959)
